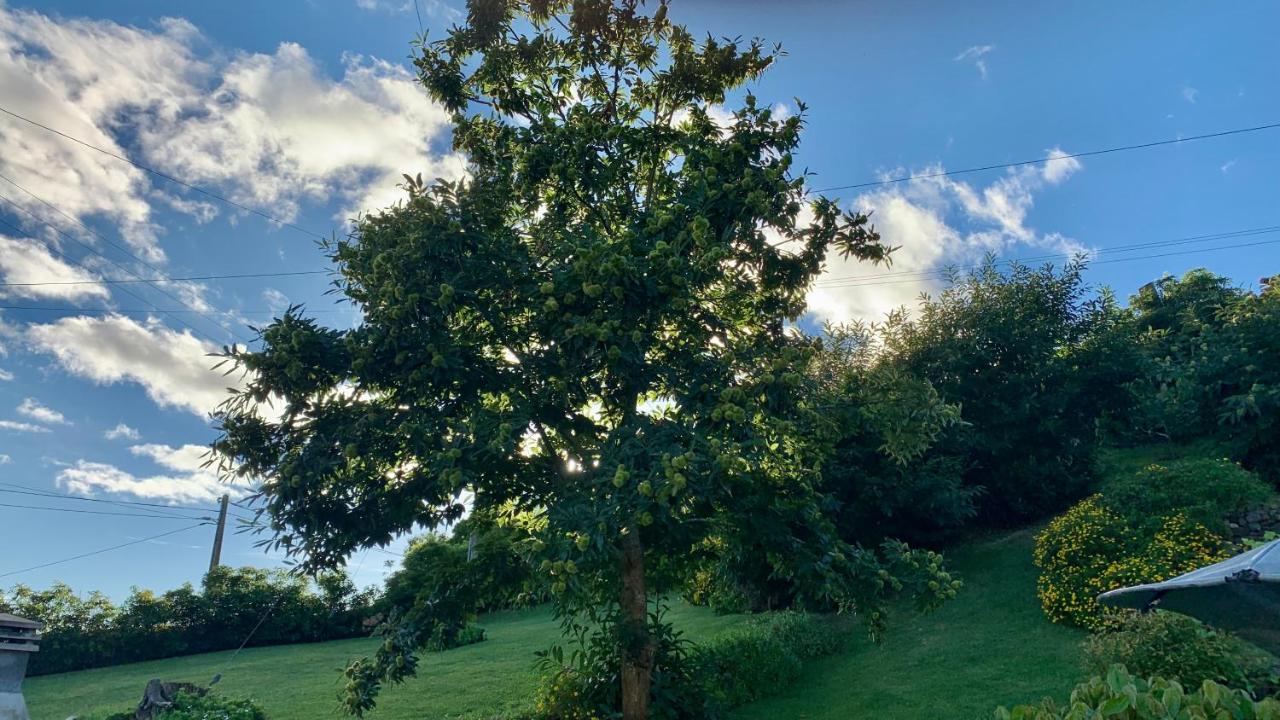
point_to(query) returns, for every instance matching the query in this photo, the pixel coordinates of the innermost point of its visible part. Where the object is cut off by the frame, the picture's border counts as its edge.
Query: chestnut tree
(590, 335)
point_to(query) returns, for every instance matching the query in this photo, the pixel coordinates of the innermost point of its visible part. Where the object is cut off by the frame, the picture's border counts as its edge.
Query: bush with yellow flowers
(1091, 549)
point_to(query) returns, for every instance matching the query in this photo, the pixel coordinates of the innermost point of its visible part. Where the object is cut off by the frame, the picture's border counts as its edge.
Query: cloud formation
(32, 408)
(936, 222)
(270, 130)
(185, 482)
(24, 260)
(122, 432)
(978, 54)
(174, 368)
(15, 426)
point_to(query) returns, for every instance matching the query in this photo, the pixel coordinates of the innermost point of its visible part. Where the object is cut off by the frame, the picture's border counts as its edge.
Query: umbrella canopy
(1240, 594)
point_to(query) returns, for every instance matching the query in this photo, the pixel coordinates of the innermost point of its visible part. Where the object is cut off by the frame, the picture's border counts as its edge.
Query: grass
(301, 682)
(989, 646)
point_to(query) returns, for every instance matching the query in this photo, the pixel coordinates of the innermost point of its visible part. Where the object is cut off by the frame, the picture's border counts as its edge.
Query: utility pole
(216, 558)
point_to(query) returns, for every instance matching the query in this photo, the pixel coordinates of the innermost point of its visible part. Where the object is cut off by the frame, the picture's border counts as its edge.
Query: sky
(307, 111)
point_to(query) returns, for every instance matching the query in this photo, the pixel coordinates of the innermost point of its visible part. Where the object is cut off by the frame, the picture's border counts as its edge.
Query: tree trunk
(637, 645)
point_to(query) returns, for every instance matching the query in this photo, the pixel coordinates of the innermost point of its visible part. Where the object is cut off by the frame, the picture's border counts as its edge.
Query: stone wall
(1255, 522)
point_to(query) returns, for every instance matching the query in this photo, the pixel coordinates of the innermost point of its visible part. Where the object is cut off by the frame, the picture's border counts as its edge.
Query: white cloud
(188, 458)
(14, 426)
(270, 130)
(32, 408)
(1190, 94)
(184, 481)
(277, 301)
(936, 222)
(978, 54)
(5, 459)
(173, 368)
(24, 260)
(122, 432)
(183, 487)
(276, 130)
(1060, 166)
(5, 375)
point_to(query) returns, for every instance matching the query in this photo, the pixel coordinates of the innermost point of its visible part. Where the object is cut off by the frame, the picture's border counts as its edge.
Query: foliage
(91, 631)
(1210, 365)
(1204, 489)
(748, 662)
(1091, 549)
(444, 582)
(590, 335)
(208, 707)
(1032, 361)
(1176, 647)
(1122, 696)
(883, 423)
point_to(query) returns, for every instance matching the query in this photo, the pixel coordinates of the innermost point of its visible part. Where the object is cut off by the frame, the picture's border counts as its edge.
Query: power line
(1038, 161)
(157, 516)
(81, 265)
(942, 272)
(122, 281)
(1090, 263)
(104, 550)
(134, 311)
(163, 176)
(28, 490)
(117, 246)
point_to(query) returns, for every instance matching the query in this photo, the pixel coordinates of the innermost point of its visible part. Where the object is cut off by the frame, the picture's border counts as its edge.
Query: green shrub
(764, 655)
(1205, 489)
(757, 659)
(1178, 648)
(209, 707)
(1091, 549)
(442, 638)
(1121, 696)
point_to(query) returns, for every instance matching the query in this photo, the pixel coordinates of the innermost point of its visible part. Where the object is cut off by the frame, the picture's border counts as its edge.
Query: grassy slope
(301, 682)
(990, 646)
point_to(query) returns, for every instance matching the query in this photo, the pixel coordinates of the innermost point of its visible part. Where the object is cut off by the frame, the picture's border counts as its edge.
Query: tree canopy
(589, 336)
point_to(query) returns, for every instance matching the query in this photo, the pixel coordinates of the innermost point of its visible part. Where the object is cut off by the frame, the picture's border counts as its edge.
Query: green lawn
(301, 682)
(989, 646)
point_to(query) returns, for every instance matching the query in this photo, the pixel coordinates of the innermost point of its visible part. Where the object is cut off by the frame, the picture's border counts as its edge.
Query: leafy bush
(1091, 549)
(1204, 489)
(442, 639)
(747, 663)
(1210, 365)
(1121, 696)
(1175, 647)
(1033, 359)
(86, 632)
(495, 577)
(763, 656)
(208, 707)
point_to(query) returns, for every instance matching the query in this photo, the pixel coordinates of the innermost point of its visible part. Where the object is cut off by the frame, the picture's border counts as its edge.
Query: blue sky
(306, 111)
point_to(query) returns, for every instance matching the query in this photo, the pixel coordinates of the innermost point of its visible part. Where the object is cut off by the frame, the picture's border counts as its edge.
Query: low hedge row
(757, 659)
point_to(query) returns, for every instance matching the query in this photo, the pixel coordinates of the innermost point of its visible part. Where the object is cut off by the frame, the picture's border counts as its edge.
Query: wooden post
(216, 559)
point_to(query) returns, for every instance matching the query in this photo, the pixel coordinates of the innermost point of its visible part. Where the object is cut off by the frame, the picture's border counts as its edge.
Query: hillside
(990, 645)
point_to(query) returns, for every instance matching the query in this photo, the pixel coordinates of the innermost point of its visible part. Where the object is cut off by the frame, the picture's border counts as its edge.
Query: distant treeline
(92, 631)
